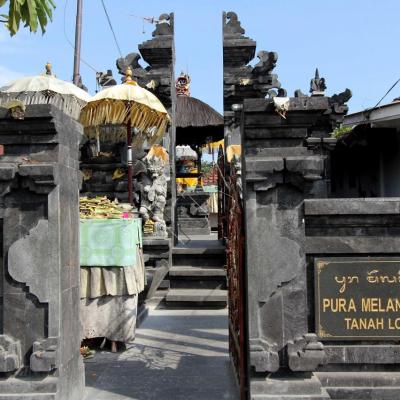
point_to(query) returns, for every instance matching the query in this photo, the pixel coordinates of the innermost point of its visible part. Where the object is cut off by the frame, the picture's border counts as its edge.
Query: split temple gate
(314, 310)
(320, 277)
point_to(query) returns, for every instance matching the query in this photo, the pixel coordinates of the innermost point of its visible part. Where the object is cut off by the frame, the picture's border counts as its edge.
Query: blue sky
(354, 43)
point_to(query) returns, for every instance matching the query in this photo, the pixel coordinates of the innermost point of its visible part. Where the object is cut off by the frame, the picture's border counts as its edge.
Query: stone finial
(299, 93)
(163, 26)
(105, 79)
(267, 63)
(232, 24)
(48, 68)
(342, 98)
(182, 85)
(131, 60)
(317, 85)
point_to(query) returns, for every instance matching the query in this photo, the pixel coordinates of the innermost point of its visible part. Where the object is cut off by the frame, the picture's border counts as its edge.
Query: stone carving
(267, 63)
(163, 27)
(44, 357)
(105, 79)
(317, 85)
(154, 194)
(263, 357)
(236, 165)
(158, 53)
(132, 61)
(341, 98)
(32, 249)
(306, 353)
(299, 93)
(232, 25)
(338, 101)
(10, 354)
(193, 205)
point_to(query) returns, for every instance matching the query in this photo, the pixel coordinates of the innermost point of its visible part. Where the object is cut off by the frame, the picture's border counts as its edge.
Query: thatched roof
(196, 122)
(192, 112)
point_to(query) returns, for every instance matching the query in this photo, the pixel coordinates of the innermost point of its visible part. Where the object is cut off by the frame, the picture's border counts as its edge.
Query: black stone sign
(357, 298)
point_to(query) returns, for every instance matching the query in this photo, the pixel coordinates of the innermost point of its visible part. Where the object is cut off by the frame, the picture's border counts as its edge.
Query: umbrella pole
(129, 159)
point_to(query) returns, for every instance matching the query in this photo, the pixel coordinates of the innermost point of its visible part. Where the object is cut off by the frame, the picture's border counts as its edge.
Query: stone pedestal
(39, 283)
(192, 213)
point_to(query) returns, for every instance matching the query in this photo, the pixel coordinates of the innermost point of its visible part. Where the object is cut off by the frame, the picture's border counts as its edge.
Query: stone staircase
(198, 276)
(361, 385)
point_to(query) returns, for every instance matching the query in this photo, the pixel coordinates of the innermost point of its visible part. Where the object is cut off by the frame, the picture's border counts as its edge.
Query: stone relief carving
(263, 356)
(306, 353)
(10, 354)
(29, 260)
(44, 357)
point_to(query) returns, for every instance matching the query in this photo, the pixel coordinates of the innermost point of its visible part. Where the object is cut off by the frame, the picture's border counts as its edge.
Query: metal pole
(129, 159)
(78, 34)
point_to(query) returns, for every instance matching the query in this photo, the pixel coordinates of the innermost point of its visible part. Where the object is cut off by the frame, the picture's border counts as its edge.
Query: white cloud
(7, 75)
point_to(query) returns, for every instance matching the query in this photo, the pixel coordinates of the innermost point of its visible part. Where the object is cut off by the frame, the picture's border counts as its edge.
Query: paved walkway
(177, 355)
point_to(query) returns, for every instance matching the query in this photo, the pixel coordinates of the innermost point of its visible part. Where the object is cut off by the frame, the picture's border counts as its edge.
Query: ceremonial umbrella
(131, 105)
(46, 89)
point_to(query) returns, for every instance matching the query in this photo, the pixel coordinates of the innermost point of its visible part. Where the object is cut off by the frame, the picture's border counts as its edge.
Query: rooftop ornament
(182, 85)
(317, 85)
(130, 105)
(46, 89)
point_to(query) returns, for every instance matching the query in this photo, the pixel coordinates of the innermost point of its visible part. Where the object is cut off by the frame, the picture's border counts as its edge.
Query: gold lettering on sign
(338, 305)
(374, 278)
(394, 324)
(365, 323)
(376, 304)
(346, 280)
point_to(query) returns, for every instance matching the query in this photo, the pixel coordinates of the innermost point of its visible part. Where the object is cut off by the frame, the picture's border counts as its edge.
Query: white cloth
(113, 317)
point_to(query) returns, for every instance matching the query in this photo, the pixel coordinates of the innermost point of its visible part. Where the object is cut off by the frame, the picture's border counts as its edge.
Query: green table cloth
(110, 242)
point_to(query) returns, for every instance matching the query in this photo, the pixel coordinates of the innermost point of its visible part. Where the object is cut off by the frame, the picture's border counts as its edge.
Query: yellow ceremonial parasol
(130, 105)
(46, 89)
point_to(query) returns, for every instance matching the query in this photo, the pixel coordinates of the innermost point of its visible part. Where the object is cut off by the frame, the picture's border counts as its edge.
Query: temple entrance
(181, 348)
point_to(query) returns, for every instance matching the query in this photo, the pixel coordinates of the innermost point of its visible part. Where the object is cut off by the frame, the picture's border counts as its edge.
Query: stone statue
(154, 191)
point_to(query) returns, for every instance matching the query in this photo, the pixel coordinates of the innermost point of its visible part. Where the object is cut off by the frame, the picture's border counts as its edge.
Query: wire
(111, 27)
(150, 20)
(71, 44)
(379, 102)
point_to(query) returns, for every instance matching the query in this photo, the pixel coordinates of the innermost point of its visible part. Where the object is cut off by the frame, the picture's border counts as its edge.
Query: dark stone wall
(39, 209)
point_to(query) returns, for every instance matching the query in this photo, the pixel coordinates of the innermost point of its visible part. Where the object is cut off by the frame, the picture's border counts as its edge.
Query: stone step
(286, 387)
(350, 379)
(290, 397)
(197, 278)
(29, 396)
(364, 393)
(199, 261)
(203, 272)
(193, 284)
(197, 296)
(198, 251)
(46, 386)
